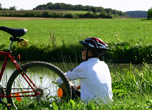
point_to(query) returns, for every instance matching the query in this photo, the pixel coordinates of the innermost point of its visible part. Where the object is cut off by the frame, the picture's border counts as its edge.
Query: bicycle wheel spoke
(43, 76)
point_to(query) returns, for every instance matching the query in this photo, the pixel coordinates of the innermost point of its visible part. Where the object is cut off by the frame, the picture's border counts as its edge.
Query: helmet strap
(87, 55)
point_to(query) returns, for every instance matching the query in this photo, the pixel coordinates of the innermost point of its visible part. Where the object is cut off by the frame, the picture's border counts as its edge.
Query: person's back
(97, 80)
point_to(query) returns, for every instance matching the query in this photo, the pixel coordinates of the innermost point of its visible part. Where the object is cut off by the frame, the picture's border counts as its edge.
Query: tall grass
(132, 81)
(131, 90)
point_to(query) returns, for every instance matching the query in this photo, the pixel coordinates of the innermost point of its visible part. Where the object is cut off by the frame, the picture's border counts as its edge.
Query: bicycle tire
(46, 78)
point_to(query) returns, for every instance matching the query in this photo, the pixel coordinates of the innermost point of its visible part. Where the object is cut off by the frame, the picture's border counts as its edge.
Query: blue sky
(122, 5)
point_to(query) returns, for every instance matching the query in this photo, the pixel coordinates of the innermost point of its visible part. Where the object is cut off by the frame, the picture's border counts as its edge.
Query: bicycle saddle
(15, 32)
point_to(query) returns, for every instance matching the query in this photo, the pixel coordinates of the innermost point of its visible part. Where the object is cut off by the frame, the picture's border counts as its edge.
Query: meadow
(129, 39)
(131, 87)
(73, 30)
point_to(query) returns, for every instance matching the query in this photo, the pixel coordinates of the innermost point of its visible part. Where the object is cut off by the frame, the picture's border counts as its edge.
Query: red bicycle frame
(8, 55)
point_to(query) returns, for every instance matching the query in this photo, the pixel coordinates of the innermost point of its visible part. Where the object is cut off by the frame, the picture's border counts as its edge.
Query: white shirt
(95, 79)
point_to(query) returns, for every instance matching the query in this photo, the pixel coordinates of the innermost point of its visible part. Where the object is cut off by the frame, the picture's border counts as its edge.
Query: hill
(137, 14)
(62, 10)
(63, 6)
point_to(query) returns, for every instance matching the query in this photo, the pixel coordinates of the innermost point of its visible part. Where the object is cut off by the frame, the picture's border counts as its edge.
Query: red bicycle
(30, 82)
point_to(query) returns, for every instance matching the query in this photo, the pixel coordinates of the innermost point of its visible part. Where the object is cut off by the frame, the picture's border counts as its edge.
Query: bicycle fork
(30, 83)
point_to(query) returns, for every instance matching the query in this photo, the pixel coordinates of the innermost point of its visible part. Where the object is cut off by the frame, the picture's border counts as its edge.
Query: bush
(51, 14)
(118, 53)
(125, 53)
(68, 16)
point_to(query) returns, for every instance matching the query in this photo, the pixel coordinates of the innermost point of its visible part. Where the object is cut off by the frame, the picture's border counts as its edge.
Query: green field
(72, 31)
(125, 36)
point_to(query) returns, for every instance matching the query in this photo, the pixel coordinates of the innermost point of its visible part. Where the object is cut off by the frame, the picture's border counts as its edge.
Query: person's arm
(76, 73)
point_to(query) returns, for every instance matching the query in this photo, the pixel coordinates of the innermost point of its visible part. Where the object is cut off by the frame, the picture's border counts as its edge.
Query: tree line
(93, 9)
(45, 11)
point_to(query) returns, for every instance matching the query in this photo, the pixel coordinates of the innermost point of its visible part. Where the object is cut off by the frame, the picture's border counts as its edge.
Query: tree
(149, 13)
(12, 8)
(94, 10)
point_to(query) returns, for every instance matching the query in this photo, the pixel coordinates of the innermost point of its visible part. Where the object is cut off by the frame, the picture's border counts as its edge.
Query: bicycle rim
(44, 76)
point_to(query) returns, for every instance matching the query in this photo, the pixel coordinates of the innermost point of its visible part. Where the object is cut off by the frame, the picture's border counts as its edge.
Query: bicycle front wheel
(43, 75)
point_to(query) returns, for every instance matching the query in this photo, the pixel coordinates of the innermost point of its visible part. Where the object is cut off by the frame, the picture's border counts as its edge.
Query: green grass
(129, 39)
(72, 31)
(131, 87)
(131, 91)
(128, 103)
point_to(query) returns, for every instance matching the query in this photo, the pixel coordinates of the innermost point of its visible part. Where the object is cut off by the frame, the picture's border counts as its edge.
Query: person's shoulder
(103, 62)
(83, 63)
(80, 66)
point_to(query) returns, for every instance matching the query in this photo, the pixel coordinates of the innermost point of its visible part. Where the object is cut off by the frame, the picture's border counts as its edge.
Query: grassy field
(129, 39)
(72, 31)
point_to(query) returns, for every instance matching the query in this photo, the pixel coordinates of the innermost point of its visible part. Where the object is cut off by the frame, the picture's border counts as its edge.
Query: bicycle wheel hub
(40, 91)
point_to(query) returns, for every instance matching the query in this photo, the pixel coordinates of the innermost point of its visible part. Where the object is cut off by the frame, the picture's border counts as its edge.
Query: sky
(120, 5)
